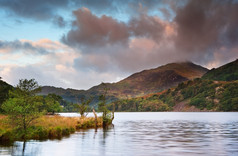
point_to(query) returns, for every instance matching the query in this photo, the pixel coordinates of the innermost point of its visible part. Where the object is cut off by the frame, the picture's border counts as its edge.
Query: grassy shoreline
(46, 127)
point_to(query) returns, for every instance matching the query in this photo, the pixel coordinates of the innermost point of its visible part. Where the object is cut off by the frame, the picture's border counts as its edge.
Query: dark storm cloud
(15, 46)
(205, 25)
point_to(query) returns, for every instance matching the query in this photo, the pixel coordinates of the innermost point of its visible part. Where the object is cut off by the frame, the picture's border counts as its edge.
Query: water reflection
(141, 136)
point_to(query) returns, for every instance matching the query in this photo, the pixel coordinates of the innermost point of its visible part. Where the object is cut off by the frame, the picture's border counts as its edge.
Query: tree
(4, 89)
(107, 116)
(52, 103)
(23, 106)
(84, 106)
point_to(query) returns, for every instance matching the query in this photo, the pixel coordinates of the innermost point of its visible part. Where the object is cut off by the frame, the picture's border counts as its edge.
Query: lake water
(145, 134)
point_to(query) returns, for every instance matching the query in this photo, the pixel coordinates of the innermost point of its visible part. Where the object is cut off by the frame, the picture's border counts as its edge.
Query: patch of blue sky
(12, 28)
(19, 59)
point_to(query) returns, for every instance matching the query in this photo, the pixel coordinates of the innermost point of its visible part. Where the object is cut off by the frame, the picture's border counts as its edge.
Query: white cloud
(56, 68)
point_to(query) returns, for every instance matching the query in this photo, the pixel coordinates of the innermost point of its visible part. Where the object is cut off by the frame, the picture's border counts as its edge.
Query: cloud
(104, 44)
(207, 24)
(90, 30)
(59, 21)
(40, 10)
(108, 45)
(56, 68)
(204, 27)
(197, 33)
(147, 26)
(53, 71)
(16, 46)
(56, 10)
(40, 47)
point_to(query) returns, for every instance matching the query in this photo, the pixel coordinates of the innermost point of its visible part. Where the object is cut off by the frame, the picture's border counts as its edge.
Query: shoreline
(46, 127)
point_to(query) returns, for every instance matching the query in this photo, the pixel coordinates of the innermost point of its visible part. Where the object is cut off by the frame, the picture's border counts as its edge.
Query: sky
(81, 43)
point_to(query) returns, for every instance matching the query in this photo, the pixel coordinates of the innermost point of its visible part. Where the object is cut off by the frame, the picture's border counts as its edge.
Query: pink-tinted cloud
(90, 30)
(101, 48)
(197, 32)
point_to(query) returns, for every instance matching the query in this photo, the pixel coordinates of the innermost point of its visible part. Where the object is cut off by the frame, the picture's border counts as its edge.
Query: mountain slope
(226, 72)
(163, 77)
(205, 94)
(196, 95)
(141, 83)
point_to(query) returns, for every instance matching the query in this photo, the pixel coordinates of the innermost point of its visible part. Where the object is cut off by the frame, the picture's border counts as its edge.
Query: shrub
(198, 102)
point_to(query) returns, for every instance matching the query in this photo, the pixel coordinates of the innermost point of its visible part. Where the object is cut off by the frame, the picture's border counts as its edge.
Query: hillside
(227, 72)
(205, 94)
(197, 95)
(4, 89)
(138, 84)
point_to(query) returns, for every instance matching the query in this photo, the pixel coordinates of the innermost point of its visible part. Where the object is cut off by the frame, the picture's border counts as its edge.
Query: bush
(199, 102)
(58, 132)
(65, 131)
(6, 136)
(163, 107)
(38, 133)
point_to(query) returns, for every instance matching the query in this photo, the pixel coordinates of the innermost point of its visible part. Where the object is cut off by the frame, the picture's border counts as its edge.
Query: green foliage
(153, 103)
(198, 102)
(84, 106)
(229, 100)
(203, 94)
(227, 72)
(52, 103)
(4, 89)
(70, 107)
(23, 106)
(6, 136)
(107, 116)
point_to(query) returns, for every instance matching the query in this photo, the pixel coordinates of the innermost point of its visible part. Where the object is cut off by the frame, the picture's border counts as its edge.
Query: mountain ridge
(200, 94)
(137, 84)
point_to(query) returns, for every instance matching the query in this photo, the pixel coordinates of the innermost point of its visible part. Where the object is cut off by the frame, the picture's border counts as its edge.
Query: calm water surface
(145, 134)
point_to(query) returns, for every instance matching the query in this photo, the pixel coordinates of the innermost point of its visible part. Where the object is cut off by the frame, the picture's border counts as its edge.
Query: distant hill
(200, 94)
(227, 72)
(138, 84)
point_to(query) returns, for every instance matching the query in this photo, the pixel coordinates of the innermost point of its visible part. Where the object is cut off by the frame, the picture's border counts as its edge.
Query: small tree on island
(84, 106)
(23, 105)
(107, 115)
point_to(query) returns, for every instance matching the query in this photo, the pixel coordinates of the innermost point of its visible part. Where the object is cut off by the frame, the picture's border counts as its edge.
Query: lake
(145, 134)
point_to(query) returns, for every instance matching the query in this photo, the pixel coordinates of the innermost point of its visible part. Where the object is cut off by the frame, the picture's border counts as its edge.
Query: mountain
(158, 79)
(200, 94)
(138, 84)
(227, 72)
